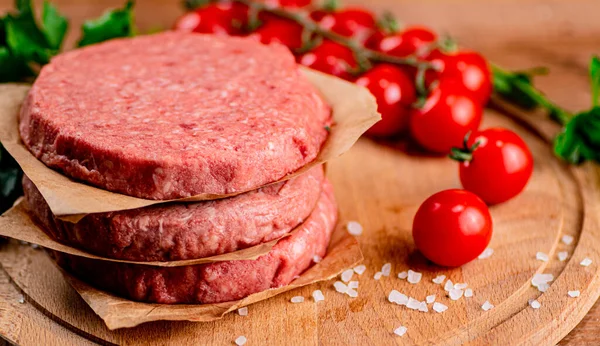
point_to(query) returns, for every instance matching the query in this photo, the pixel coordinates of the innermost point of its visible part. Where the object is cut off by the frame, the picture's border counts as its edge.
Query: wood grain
(518, 34)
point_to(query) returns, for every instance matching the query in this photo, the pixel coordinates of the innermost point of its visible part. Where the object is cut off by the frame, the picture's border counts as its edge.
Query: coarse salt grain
(360, 269)
(243, 311)
(543, 287)
(354, 228)
(439, 307)
(340, 287)
(402, 275)
(455, 294)
(541, 256)
(541, 279)
(448, 286)
(318, 296)
(468, 293)
(413, 303)
(461, 286)
(353, 284)
(297, 299)
(414, 277)
(397, 297)
(352, 293)
(400, 330)
(423, 307)
(567, 239)
(574, 294)
(430, 299)
(241, 340)
(386, 269)
(586, 262)
(562, 256)
(439, 279)
(377, 275)
(22, 300)
(534, 304)
(347, 275)
(317, 258)
(486, 253)
(487, 306)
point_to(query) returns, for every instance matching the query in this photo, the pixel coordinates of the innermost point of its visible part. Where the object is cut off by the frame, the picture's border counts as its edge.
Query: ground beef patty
(217, 282)
(186, 231)
(174, 114)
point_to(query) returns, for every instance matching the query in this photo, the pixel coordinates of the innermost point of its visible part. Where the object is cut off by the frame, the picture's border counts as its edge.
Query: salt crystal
(241, 340)
(423, 307)
(468, 293)
(35, 246)
(347, 275)
(574, 294)
(377, 275)
(439, 307)
(586, 262)
(543, 287)
(486, 253)
(402, 275)
(414, 277)
(354, 228)
(439, 279)
(562, 256)
(21, 300)
(455, 294)
(430, 299)
(541, 256)
(567, 239)
(297, 299)
(534, 304)
(400, 330)
(352, 293)
(461, 286)
(317, 258)
(386, 269)
(397, 297)
(340, 287)
(353, 284)
(487, 306)
(360, 269)
(318, 296)
(448, 286)
(243, 311)
(541, 279)
(413, 303)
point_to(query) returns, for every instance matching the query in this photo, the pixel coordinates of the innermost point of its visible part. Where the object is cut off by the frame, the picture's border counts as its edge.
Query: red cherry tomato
(448, 114)
(223, 18)
(394, 92)
(469, 68)
(351, 22)
(281, 31)
(288, 3)
(410, 41)
(452, 227)
(331, 58)
(500, 166)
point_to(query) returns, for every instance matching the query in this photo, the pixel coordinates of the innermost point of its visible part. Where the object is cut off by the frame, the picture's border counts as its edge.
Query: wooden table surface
(560, 34)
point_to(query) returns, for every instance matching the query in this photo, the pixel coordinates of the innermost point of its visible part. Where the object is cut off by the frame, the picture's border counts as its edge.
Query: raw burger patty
(216, 282)
(173, 115)
(186, 231)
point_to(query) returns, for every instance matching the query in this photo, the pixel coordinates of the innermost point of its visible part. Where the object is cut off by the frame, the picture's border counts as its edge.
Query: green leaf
(579, 140)
(24, 7)
(25, 39)
(12, 68)
(595, 77)
(55, 25)
(112, 24)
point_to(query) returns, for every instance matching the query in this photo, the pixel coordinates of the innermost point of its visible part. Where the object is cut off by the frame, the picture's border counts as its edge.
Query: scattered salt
(468, 293)
(352, 293)
(455, 294)
(353, 284)
(21, 300)
(297, 299)
(318, 296)
(340, 287)
(430, 299)
(400, 330)
(439, 279)
(541, 279)
(487, 306)
(413, 303)
(397, 297)
(347, 275)
(386, 269)
(35, 246)
(448, 286)
(567, 239)
(439, 307)
(317, 258)
(414, 277)
(562, 256)
(534, 304)
(543, 287)
(377, 275)
(461, 286)
(541, 256)
(586, 262)
(402, 275)
(423, 307)
(243, 311)
(360, 269)
(354, 228)
(486, 253)
(574, 294)
(241, 340)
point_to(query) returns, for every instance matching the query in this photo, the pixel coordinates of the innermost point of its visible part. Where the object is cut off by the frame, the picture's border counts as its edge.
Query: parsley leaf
(112, 24)
(55, 25)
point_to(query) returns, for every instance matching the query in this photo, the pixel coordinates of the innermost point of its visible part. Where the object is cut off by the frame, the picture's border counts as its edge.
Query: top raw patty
(174, 115)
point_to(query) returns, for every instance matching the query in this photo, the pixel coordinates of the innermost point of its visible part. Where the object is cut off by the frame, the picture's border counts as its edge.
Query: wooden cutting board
(381, 185)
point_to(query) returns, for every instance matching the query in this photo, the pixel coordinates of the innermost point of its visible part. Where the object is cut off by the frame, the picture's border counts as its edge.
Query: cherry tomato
(331, 58)
(222, 18)
(448, 114)
(395, 93)
(351, 22)
(282, 31)
(412, 40)
(499, 167)
(469, 68)
(452, 227)
(288, 3)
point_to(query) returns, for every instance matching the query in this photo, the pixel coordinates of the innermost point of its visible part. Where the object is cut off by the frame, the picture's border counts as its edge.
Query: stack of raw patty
(175, 115)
